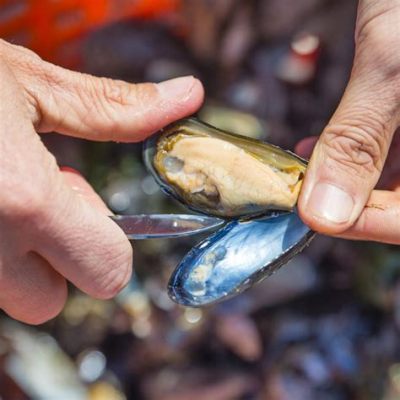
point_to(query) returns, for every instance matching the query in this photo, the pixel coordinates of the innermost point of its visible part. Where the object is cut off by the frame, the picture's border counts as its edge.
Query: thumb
(349, 156)
(94, 108)
(346, 162)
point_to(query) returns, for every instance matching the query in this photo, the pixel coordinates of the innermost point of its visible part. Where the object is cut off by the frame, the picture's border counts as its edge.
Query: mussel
(252, 184)
(223, 174)
(236, 257)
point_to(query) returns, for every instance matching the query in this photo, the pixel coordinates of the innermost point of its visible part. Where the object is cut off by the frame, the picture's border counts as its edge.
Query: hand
(338, 197)
(53, 227)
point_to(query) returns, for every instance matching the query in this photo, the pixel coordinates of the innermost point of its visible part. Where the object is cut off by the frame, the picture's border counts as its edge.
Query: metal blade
(152, 226)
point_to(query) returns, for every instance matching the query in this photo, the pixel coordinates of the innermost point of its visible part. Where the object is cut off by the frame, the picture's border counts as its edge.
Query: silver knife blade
(152, 226)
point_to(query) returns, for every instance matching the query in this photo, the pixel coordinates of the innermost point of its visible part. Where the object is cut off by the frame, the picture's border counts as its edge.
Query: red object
(52, 28)
(299, 65)
(70, 169)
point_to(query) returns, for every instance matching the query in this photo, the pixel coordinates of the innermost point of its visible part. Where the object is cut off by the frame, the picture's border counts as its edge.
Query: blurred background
(325, 327)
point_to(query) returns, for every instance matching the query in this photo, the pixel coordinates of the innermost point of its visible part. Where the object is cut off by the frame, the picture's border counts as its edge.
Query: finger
(43, 214)
(379, 220)
(99, 108)
(344, 168)
(391, 173)
(305, 147)
(83, 189)
(84, 245)
(104, 109)
(349, 156)
(31, 291)
(79, 242)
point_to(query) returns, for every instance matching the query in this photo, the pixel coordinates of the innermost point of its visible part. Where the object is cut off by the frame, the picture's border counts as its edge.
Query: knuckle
(27, 196)
(101, 98)
(24, 203)
(358, 148)
(113, 99)
(115, 91)
(15, 52)
(32, 74)
(24, 62)
(106, 102)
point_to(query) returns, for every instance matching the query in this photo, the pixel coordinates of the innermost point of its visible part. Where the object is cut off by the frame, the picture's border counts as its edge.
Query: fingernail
(177, 89)
(330, 203)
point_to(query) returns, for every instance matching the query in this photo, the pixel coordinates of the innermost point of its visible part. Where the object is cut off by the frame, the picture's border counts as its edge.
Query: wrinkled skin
(53, 227)
(338, 196)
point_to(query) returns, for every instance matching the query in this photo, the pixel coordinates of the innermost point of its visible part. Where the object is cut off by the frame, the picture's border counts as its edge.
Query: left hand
(338, 196)
(379, 220)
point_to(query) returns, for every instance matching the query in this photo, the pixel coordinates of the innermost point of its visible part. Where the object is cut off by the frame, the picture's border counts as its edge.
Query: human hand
(53, 227)
(337, 197)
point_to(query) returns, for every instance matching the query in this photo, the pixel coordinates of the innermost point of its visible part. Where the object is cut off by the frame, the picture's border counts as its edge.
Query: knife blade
(152, 226)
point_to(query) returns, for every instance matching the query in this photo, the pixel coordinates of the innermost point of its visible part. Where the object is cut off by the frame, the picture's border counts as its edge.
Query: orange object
(52, 28)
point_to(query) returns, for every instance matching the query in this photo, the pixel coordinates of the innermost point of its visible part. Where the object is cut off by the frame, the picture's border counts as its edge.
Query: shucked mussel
(252, 183)
(223, 174)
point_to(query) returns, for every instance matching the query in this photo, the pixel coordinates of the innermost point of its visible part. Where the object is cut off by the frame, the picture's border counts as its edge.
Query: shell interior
(237, 256)
(234, 177)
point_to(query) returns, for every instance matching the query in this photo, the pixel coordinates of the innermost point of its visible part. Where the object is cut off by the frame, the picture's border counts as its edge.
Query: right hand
(53, 227)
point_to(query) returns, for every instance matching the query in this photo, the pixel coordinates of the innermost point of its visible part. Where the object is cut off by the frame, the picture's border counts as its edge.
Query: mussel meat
(253, 184)
(223, 174)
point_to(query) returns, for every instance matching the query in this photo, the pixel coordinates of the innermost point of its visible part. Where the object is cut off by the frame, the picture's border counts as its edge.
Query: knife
(152, 226)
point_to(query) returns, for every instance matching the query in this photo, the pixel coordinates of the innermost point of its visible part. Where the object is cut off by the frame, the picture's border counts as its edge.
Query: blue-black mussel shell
(237, 256)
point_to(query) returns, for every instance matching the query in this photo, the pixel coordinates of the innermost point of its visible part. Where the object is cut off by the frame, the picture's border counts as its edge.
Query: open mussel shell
(237, 256)
(223, 174)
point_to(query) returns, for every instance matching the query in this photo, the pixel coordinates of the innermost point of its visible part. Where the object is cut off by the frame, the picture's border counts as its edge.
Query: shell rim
(255, 278)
